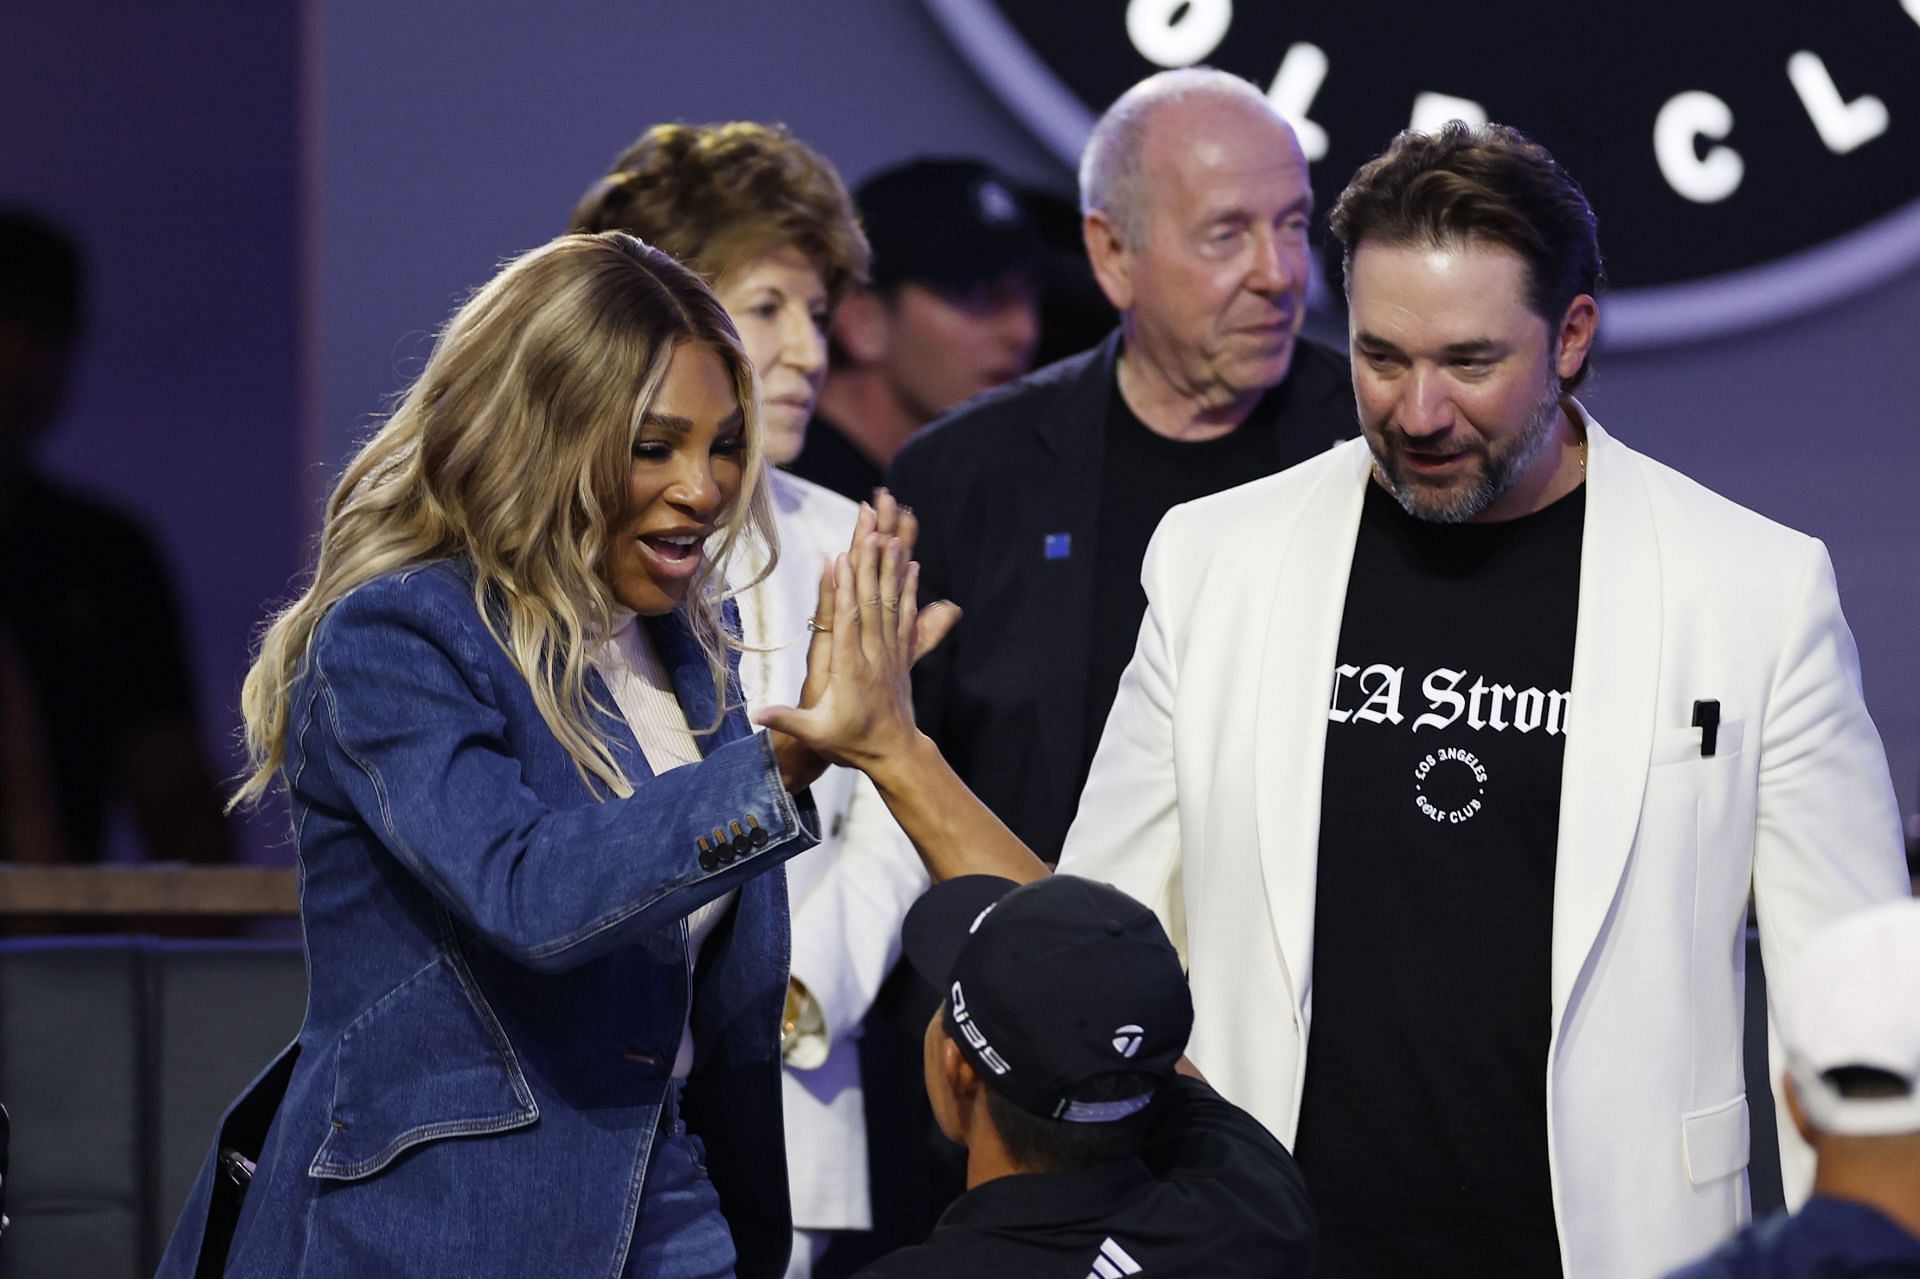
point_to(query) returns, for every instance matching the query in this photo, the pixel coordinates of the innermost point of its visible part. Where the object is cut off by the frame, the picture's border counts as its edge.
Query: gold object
(803, 1028)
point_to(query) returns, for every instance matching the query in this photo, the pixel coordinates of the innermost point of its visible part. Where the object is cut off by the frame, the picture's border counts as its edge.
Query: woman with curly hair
(546, 960)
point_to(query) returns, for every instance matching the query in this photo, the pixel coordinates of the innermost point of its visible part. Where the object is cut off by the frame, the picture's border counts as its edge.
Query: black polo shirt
(1211, 1193)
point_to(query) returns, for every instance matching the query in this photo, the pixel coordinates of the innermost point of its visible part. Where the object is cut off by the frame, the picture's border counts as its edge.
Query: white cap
(1853, 999)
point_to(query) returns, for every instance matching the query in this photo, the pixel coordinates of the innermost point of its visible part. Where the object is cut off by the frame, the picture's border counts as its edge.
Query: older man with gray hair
(1036, 501)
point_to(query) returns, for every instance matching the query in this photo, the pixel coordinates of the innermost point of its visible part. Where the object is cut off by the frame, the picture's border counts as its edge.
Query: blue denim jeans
(679, 1233)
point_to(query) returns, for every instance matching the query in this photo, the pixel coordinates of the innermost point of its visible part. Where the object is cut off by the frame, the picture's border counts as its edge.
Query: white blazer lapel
(1616, 671)
(1296, 684)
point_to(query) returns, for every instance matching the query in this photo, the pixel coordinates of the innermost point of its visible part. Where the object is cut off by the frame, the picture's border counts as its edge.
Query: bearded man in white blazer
(1455, 753)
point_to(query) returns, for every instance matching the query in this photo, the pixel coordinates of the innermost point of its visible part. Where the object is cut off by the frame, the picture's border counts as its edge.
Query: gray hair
(1110, 168)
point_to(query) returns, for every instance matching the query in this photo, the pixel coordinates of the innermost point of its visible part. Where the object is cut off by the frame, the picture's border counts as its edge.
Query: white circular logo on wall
(1744, 170)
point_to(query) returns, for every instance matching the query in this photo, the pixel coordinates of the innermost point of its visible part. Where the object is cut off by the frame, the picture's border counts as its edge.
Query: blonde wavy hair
(513, 449)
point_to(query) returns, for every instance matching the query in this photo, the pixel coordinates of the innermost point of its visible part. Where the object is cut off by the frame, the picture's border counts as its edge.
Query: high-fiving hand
(856, 706)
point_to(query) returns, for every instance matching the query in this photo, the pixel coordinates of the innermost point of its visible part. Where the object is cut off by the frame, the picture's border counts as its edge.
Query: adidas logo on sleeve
(1113, 1262)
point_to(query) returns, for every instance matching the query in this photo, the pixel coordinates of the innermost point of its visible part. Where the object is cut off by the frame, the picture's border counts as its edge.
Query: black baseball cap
(946, 222)
(1051, 985)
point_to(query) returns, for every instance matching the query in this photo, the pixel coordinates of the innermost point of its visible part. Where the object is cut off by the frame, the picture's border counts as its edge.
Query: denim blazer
(498, 967)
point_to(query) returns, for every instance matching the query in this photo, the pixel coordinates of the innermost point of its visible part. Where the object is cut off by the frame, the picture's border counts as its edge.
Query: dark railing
(150, 890)
(118, 1052)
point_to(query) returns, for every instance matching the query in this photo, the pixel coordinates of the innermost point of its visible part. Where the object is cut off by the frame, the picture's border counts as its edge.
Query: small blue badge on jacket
(1059, 545)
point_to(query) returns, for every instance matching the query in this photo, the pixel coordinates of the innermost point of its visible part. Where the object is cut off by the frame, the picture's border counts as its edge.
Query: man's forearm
(954, 833)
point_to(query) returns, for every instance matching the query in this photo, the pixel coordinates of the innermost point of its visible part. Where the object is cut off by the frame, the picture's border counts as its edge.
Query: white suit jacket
(1204, 801)
(849, 895)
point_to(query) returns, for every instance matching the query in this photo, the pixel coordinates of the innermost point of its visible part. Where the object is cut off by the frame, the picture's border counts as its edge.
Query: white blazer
(849, 895)
(1204, 801)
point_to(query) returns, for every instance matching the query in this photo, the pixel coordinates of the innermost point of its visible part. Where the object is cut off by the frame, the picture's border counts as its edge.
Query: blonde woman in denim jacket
(546, 959)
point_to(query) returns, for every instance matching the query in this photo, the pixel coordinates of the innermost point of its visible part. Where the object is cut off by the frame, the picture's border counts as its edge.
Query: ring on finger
(813, 625)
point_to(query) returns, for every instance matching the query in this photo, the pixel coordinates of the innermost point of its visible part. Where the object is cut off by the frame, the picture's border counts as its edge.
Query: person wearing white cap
(1849, 1016)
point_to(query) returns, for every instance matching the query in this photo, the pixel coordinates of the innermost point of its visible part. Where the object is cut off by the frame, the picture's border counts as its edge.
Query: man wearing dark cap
(1037, 500)
(951, 311)
(1093, 1146)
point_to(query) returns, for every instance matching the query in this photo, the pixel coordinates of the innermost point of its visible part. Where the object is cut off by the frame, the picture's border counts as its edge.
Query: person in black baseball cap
(951, 310)
(1093, 1145)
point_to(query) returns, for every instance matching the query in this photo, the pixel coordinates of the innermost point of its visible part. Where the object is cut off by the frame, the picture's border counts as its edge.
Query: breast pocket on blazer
(1679, 745)
(1703, 802)
(428, 1061)
(1684, 787)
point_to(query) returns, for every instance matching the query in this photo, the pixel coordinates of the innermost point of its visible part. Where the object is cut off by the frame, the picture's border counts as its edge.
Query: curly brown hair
(716, 196)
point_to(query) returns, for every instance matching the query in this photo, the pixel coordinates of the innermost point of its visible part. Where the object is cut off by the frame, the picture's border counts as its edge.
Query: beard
(1457, 502)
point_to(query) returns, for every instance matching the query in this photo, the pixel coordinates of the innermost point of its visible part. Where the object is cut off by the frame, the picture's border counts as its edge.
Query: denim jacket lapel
(680, 653)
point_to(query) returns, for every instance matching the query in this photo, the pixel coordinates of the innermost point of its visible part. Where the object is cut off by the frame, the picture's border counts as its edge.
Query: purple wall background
(284, 200)
(164, 137)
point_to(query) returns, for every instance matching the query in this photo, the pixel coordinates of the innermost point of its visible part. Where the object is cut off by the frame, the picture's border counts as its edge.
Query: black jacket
(1211, 1194)
(1006, 696)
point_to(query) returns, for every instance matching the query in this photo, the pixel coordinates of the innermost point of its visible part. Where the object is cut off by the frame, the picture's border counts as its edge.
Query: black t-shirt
(1423, 1129)
(833, 461)
(1211, 1194)
(1143, 477)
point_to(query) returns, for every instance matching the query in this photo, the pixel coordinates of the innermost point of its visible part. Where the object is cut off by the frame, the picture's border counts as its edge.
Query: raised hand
(860, 708)
(937, 620)
(856, 708)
